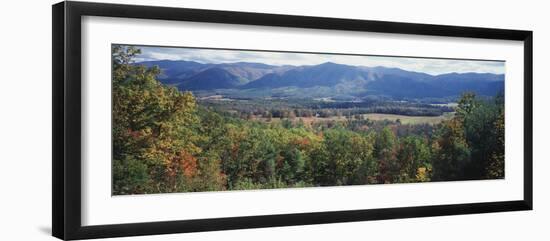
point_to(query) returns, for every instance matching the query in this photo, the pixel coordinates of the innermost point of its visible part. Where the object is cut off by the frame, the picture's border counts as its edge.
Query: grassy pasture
(410, 119)
(413, 120)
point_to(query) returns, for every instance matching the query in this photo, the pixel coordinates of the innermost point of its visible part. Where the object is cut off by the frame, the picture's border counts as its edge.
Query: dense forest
(166, 140)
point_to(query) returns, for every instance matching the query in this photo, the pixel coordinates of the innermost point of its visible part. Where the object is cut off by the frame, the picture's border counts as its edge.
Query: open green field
(413, 120)
(410, 119)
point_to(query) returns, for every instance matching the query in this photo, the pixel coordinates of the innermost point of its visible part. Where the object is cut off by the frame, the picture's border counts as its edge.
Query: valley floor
(403, 119)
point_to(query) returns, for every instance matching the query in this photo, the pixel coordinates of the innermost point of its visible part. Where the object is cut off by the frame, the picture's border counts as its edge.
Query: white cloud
(430, 66)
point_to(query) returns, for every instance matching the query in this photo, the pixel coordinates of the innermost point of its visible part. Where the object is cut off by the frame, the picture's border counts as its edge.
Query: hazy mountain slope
(327, 74)
(212, 78)
(172, 72)
(177, 72)
(259, 79)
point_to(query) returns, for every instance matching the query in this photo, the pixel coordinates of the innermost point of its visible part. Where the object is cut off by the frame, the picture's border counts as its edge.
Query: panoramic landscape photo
(199, 119)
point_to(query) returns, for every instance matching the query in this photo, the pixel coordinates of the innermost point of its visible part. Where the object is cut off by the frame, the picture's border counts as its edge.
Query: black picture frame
(66, 47)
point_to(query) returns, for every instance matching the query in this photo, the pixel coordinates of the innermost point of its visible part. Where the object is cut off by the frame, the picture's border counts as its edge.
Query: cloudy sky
(430, 66)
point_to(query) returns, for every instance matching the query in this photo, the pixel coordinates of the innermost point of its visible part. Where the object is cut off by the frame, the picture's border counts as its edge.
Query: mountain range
(323, 79)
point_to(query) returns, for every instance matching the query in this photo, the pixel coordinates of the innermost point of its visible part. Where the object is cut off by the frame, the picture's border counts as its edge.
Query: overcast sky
(430, 66)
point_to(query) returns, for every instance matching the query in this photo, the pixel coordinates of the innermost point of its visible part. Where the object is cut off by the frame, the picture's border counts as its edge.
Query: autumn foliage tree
(153, 129)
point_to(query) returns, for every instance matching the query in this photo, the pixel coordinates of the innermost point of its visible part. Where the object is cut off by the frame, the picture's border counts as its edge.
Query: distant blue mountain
(175, 71)
(212, 78)
(343, 79)
(327, 74)
(380, 72)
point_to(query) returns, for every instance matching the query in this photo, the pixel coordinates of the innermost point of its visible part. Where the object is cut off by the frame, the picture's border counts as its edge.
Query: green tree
(343, 158)
(385, 152)
(414, 153)
(495, 168)
(479, 119)
(291, 165)
(466, 104)
(451, 152)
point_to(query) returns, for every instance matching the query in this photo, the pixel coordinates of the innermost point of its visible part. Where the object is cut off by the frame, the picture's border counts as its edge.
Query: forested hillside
(323, 80)
(166, 140)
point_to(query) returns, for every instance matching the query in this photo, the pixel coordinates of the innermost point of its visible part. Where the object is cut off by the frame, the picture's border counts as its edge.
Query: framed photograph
(169, 120)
